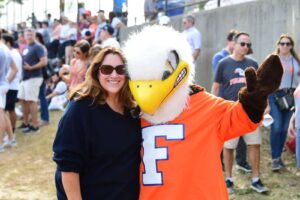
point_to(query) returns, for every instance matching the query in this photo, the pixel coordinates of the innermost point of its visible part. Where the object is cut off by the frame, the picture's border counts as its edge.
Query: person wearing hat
(106, 37)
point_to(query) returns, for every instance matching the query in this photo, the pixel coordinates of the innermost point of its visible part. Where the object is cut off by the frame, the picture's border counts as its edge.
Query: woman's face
(78, 53)
(54, 78)
(284, 46)
(114, 81)
(21, 38)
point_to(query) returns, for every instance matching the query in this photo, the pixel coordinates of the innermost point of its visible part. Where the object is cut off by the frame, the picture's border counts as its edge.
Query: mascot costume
(184, 127)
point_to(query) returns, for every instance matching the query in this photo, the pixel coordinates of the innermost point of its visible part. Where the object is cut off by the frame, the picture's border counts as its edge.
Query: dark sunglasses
(244, 43)
(285, 43)
(108, 69)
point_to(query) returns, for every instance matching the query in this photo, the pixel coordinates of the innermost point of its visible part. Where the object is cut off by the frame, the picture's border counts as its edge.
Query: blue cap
(109, 29)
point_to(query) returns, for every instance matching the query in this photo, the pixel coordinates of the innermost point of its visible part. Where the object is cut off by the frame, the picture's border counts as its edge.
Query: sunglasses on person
(285, 43)
(108, 69)
(245, 43)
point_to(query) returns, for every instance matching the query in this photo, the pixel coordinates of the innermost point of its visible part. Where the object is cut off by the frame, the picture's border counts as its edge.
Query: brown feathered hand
(259, 85)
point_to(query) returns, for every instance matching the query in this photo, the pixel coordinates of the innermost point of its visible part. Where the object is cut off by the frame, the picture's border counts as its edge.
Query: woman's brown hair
(91, 86)
(293, 52)
(84, 47)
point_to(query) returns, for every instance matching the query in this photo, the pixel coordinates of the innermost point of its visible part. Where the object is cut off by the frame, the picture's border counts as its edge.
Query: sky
(14, 13)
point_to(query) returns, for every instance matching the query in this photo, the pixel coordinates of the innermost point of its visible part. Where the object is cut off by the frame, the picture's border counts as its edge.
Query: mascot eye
(173, 59)
(166, 74)
(171, 63)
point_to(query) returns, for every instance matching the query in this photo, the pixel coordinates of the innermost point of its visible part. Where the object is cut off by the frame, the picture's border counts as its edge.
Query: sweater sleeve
(227, 118)
(70, 145)
(235, 122)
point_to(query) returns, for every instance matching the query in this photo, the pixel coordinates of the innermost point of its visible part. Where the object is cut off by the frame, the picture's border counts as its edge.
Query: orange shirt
(181, 159)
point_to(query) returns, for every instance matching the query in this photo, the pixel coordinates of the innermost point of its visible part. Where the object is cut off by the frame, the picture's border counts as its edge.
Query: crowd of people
(52, 59)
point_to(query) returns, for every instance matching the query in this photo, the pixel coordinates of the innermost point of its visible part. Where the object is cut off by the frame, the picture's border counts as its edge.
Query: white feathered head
(161, 68)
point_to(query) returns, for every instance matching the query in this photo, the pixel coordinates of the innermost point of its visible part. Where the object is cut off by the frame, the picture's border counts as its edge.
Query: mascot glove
(259, 85)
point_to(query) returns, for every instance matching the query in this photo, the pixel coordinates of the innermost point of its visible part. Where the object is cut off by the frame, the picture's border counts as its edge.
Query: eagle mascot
(183, 126)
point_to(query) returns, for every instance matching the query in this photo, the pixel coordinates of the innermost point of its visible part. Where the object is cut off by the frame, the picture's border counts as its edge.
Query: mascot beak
(149, 95)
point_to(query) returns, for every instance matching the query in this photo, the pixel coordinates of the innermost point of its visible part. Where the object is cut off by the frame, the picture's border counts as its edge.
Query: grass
(27, 172)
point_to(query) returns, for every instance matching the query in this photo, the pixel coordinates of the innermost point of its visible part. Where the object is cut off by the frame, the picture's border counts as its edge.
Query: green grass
(27, 171)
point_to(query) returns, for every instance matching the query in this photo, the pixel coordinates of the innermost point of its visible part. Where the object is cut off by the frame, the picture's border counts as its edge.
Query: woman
(21, 42)
(97, 146)
(290, 62)
(57, 97)
(75, 73)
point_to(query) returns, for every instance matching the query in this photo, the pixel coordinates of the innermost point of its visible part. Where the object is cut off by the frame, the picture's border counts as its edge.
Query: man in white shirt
(11, 96)
(6, 65)
(102, 23)
(192, 35)
(106, 37)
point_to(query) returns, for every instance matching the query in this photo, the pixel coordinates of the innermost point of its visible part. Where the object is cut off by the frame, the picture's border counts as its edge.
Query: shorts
(11, 100)
(3, 91)
(29, 89)
(250, 139)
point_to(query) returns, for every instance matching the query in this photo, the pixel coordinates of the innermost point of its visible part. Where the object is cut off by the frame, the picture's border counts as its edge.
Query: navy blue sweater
(101, 145)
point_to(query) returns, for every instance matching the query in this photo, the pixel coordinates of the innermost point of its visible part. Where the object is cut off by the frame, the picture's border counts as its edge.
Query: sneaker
(23, 126)
(244, 167)
(5, 138)
(10, 143)
(281, 163)
(229, 185)
(259, 187)
(276, 165)
(31, 129)
(2, 148)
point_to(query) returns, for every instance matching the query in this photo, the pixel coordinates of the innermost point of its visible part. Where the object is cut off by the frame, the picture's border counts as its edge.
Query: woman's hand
(291, 129)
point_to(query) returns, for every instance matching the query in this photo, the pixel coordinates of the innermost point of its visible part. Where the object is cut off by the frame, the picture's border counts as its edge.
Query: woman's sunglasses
(285, 43)
(108, 69)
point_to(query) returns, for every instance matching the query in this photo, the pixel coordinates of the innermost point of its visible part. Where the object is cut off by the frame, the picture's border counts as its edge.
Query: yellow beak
(149, 95)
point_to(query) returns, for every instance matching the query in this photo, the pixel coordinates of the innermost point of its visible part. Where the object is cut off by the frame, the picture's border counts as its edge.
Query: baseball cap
(109, 29)
(88, 12)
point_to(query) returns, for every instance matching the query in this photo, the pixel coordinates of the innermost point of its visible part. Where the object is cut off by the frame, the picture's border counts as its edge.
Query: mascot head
(160, 67)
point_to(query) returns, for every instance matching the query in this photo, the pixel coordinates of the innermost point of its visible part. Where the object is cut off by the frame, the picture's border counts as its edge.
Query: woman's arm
(291, 129)
(71, 185)
(53, 94)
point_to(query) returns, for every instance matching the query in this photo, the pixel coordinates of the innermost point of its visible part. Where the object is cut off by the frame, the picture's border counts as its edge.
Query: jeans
(43, 103)
(279, 127)
(298, 147)
(241, 152)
